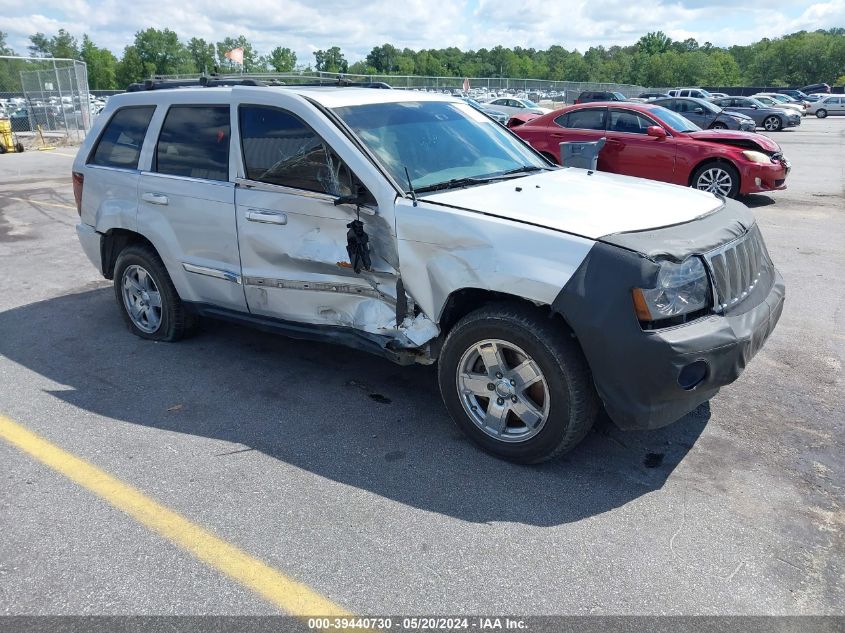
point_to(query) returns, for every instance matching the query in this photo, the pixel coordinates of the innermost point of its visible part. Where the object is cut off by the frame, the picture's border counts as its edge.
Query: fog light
(758, 181)
(692, 375)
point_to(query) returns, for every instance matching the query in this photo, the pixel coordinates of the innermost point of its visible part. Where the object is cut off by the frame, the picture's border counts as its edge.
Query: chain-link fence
(479, 87)
(46, 96)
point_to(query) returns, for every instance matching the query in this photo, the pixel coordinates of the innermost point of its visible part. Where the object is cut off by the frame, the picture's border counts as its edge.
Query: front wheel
(772, 123)
(516, 383)
(719, 178)
(147, 297)
(718, 125)
(821, 113)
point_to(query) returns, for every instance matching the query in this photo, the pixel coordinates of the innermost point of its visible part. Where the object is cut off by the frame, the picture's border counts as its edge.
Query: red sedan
(650, 141)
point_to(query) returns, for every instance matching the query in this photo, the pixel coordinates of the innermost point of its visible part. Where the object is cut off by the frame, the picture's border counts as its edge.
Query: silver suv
(412, 226)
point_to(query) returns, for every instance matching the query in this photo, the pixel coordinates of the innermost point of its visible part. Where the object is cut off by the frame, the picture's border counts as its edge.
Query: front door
(293, 237)
(631, 151)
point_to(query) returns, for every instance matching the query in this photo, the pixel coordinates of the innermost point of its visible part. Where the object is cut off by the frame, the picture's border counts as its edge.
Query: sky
(359, 25)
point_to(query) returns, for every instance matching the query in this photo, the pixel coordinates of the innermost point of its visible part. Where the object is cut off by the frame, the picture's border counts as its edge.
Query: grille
(737, 267)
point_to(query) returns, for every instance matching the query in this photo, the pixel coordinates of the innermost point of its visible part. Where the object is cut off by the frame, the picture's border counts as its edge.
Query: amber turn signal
(640, 306)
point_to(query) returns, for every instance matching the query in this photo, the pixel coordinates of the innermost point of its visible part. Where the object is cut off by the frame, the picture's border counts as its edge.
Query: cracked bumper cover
(636, 371)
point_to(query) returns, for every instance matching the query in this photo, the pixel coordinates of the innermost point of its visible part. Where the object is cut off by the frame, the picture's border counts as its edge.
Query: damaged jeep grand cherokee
(411, 226)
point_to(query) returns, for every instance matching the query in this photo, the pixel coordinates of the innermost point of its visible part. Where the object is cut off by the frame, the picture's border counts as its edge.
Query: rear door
(580, 126)
(187, 204)
(631, 151)
(293, 237)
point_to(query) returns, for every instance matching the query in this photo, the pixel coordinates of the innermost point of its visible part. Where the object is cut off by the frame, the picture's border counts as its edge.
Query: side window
(629, 122)
(280, 149)
(120, 143)
(562, 120)
(592, 119)
(194, 142)
(679, 106)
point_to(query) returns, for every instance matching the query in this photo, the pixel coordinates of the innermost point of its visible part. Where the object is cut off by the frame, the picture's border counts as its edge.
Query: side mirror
(359, 196)
(656, 131)
(699, 111)
(755, 106)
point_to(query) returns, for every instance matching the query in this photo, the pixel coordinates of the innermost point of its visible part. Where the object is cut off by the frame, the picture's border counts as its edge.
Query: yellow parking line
(290, 595)
(47, 204)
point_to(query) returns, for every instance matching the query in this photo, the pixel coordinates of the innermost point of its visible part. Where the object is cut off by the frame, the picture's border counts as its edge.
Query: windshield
(753, 101)
(782, 98)
(707, 105)
(474, 103)
(529, 104)
(437, 141)
(675, 120)
(620, 96)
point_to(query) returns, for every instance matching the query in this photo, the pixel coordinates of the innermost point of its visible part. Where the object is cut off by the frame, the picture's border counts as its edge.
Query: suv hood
(589, 204)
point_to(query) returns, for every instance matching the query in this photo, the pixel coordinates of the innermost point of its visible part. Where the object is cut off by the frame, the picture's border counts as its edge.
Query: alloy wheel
(772, 124)
(503, 390)
(141, 298)
(715, 180)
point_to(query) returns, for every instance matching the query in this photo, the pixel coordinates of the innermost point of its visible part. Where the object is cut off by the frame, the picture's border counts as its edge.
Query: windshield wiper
(451, 184)
(478, 180)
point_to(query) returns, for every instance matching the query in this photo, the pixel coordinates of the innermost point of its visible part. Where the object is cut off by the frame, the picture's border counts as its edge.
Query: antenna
(411, 187)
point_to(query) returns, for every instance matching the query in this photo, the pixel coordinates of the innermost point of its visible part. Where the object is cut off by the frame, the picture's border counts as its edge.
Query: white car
(697, 93)
(828, 105)
(512, 106)
(414, 227)
(771, 102)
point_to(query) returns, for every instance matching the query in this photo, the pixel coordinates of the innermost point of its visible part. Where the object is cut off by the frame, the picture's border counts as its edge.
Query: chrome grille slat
(736, 268)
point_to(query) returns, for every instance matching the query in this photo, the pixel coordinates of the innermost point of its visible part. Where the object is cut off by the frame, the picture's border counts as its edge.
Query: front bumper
(636, 372)
(757, 177)
(647, 395)
(793, 121)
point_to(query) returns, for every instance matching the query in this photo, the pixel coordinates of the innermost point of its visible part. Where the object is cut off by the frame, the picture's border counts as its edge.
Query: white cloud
(356, 27)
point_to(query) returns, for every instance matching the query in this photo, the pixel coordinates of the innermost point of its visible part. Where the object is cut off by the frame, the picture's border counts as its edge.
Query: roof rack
(215, 81)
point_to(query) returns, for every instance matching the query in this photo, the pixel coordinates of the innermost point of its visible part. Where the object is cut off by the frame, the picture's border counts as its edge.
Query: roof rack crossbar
(213, 80)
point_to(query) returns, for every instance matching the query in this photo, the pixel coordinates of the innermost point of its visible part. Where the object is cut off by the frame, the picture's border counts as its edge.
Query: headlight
(681, 289)
(756, 157)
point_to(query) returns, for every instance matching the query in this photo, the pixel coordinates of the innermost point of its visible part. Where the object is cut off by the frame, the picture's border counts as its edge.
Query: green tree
(162, 51)
(330, 61)
(62, 44)
(654, 43)
(252, 62)
(132, 68)
(282, 60)
(101, 63)
(4, 48)
(202, 54)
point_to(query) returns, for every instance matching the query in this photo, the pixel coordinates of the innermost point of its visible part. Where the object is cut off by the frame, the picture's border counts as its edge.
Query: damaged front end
(650, 373)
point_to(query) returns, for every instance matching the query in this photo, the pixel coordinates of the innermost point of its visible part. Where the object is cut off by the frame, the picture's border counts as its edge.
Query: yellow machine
(8, 141)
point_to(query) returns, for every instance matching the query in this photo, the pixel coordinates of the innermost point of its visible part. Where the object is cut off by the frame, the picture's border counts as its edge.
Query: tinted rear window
(593, 119)
(120, 143)
(194, 142)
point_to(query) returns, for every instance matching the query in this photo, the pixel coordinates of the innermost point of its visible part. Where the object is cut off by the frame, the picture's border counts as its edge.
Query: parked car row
(650, 140)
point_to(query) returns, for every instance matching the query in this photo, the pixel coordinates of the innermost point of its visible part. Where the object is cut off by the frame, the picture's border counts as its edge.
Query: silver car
(829, 105)
(415, 228)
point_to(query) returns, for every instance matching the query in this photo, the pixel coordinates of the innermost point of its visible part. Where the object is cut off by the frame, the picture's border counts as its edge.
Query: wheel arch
(113, 242)
(714, 159)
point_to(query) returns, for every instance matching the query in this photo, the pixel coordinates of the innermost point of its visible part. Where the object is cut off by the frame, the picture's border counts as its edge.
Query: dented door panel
(298, 270)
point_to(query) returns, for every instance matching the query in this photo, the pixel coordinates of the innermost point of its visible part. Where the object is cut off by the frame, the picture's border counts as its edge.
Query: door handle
(154, 198)
(266, 217)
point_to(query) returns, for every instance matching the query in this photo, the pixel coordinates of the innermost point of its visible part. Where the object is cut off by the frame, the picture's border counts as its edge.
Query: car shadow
(342, 414)
(756, 200)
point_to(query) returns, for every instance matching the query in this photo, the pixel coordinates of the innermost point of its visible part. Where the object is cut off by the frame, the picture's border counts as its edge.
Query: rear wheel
(772, 123)
(718, 125)
(821, 113)
(516, 384)
(147, 297)
(719, 178)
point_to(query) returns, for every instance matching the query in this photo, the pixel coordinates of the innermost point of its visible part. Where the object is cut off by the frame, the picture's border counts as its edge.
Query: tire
(718, 125)
(717, 177)
(821, 113)
(561, 404)
(772, 123)
(169, 321)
